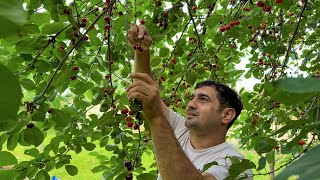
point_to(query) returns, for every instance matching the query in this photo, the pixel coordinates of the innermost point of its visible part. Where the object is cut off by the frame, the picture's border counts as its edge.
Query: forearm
(171, 160)
(142, 62)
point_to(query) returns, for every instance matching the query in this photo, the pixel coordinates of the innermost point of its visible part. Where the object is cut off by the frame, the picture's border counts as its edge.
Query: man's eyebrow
(201, 95)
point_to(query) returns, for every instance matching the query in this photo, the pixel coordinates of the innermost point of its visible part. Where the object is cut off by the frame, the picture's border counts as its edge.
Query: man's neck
(206, 141)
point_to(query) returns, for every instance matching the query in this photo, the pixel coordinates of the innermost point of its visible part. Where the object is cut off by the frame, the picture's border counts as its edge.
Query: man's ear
(228, 115)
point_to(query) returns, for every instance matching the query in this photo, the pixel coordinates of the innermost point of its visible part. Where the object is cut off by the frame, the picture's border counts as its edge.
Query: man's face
(203, 110)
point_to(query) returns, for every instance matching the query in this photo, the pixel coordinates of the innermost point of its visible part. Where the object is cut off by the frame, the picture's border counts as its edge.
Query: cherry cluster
(137, 47)
(129, 119)
(129, 167)
(227, 27)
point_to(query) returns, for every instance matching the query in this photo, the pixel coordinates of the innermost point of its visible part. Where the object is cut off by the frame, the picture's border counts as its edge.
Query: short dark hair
(227, 97)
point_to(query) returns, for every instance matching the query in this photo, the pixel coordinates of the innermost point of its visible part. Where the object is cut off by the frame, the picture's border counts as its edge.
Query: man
(184, 145)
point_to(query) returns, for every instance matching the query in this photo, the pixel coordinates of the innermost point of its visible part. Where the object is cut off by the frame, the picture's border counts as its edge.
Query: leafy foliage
(59, 60)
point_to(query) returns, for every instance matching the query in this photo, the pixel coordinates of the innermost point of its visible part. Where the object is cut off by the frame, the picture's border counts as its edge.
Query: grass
(85, 162)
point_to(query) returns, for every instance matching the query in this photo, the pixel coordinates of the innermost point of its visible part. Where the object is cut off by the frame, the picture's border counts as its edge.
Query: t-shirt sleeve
(177, 123)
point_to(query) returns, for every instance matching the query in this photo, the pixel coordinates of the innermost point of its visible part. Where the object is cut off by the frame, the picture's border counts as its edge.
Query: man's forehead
(206, 90)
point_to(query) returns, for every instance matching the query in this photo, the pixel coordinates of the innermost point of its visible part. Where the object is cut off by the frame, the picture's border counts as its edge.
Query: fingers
(143, 77)
(139, 35)
(137, 95)
(138, 87)
(134, 29)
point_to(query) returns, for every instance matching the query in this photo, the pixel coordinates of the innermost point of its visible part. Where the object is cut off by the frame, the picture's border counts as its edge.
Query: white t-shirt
(199, 158)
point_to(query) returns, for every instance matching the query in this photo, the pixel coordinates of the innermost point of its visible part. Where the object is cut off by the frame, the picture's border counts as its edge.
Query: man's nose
(192, 105)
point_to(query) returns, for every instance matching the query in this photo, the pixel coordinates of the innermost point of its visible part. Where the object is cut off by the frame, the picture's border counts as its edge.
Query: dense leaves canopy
(59, 60)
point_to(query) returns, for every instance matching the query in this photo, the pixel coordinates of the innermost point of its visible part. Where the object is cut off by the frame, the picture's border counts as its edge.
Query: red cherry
(276, 147)
(111, 91)
(237, 22)
(107, 1)
(86, 38)
(83, 24)
(131, 112)
(67, 11)
(75, 34)
(222, 28)
(105, 90)
(124, 111)
(120, 13)
(49, 110)
(279, 1)
(267, 8)
(165, 14)
(174, 61)
(73, 77)
(227, 27)
(246, 9)
(75, 68)
(110, 62)
(142, 22)
(107, 76)
(107, 19)
(301, 142)
(107, 27)
(129, 124)
(249, 27)
(260, 3)
(136, 127)
(128, 119)
(232, 23)
(214, 66)
(84, 20)
(61, 47)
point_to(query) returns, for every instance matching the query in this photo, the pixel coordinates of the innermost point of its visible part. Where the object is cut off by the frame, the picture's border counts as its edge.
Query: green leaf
(265, 144)
(12, 141)
(31, 29)
(34, 136)
(99, 169)
(146, 176)
(32, 152)
(39, 99)
(270, 157)
(43, 66)
(89, 146)
(307, 166)
(71, 170)
(164, 52)
(12, 16)
(34, 4)
(299, 85)
(10, 98)
(53, 28)
(262, 163)
(28, 84)
(9, 174)
(81, 87)
(286, 90)
(26, 46)
(6, 158)
(40, 18)
(42, 175)
(208, 165)
(191, 78)
(155, 61)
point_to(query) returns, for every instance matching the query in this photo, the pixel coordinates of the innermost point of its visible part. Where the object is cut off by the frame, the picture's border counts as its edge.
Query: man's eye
(204, 99)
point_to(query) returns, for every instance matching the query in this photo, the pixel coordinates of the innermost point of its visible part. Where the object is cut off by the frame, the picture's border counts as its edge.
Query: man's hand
(147, 91)
(139, 35)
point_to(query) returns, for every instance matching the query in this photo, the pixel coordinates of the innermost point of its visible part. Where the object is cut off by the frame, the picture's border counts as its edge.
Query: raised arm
(139, 35)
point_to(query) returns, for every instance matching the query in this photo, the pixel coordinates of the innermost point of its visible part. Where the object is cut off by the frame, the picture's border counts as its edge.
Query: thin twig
(294, 34)
(69, 52)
